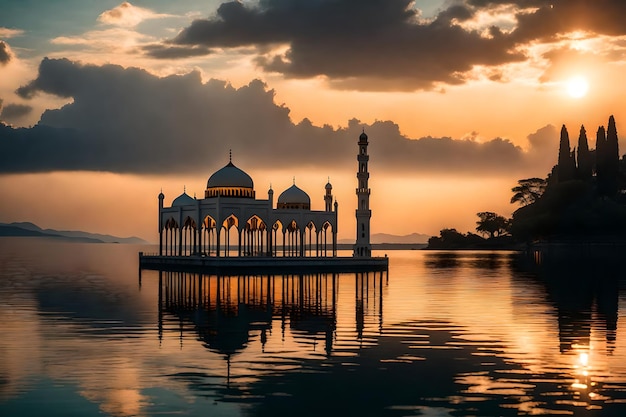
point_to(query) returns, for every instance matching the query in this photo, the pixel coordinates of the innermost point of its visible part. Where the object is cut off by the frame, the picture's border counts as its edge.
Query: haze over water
(442, 334)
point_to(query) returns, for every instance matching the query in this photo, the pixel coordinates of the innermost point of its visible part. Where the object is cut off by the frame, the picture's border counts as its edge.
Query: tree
(491, 223)
(528, 191)
(566, 169)
(584, 156)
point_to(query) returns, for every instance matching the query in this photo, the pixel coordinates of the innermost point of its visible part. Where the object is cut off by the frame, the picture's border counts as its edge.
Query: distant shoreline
(387, 246)
(27, 229)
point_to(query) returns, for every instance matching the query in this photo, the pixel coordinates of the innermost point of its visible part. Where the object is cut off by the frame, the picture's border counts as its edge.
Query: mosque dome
(328, 186)
(294, 198)
(230, 181)
(363, 137)
(183, 200)
(230, 176)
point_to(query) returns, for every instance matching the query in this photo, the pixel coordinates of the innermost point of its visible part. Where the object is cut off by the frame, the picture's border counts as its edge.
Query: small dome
(294, 197)
(363, 137)
(183, 200)
(230, 176)
(329, 186)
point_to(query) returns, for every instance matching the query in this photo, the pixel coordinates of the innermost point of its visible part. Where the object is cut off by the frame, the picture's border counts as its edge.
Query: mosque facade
(230, 220)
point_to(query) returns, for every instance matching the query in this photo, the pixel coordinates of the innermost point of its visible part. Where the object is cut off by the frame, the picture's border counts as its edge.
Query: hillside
(380, 238)
(27, 229)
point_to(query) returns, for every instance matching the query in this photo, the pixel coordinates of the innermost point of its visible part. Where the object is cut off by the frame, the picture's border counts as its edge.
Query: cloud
(5, 53)
(13, 112)
(386, 44)
(128, 15)
(543, 144)
(562, 16)
(10, 33)
(128, 120)
(172, 52)
(379, 43)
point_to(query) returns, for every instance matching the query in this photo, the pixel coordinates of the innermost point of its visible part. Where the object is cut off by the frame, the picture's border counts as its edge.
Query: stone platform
(261, 265)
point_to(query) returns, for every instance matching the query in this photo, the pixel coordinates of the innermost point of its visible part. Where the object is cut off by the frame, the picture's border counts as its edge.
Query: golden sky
(104, 104)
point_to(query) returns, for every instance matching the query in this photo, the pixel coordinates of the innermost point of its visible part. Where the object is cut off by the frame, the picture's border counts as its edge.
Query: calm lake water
(440, 334)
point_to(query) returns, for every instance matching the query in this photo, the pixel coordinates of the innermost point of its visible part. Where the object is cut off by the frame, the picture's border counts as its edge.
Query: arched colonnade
(284, 235)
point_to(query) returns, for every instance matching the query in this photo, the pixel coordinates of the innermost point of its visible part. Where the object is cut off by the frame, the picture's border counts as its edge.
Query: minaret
(328, 197)
(362, 247)
(161, 198)
(270, 197)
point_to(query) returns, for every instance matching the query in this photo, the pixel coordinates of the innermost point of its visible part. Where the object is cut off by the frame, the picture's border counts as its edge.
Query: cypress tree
(566, 165)
(584, 156)
(612, 149)
(601, 150)
(612, 157)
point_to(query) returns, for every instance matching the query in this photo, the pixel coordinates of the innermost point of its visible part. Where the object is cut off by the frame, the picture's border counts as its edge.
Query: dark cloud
(383, 44)
(5, 53)
(127, 120)
(561, 16)
(373, 44)
(13, 112)
(175, 51)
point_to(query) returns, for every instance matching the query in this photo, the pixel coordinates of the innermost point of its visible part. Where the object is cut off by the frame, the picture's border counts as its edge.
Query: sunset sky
(105, 103)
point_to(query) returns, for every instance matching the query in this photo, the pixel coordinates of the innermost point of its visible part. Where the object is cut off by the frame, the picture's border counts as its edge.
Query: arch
(255, 238)
(171, 223)
(208, 222)
(309, 230)
(323, 246)
(171, 236)
(188, 237)
(293, 239)
(276, 226)
(208, 236)
(229, 240)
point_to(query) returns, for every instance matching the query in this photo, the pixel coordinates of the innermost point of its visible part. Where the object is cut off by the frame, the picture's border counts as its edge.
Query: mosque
(231, 222)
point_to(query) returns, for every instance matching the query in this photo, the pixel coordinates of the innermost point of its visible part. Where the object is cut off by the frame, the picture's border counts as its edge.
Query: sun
(577, 87)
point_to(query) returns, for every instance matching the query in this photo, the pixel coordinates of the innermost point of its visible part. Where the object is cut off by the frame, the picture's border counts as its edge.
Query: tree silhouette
(585, 162)
(528, 191)
(566, 168)
(591, 203)
(491, 223)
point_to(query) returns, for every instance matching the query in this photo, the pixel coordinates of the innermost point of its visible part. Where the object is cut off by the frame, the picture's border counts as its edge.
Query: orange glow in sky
(137, 101)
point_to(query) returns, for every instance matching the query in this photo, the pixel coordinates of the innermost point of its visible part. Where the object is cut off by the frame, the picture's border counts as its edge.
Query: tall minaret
(328, 197)
(362, 247)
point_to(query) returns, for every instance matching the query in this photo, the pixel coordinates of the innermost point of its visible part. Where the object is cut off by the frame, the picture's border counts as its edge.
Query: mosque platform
(261, 265)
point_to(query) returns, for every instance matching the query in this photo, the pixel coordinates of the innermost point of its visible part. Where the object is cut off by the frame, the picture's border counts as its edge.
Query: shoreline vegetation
(578, 209)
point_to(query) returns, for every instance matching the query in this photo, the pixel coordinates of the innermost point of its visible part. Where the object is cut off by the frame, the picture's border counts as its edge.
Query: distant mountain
(378, 238)
(31, 229)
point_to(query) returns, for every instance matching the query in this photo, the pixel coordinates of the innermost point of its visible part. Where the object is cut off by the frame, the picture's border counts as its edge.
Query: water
(442, 334)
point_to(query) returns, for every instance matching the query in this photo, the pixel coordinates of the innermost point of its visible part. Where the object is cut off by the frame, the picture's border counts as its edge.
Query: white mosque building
(231, 221)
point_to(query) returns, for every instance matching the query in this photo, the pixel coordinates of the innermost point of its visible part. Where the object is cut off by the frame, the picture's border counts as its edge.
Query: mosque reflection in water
(546, 341)
(225, 310)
